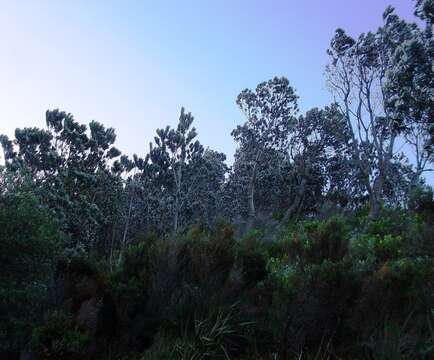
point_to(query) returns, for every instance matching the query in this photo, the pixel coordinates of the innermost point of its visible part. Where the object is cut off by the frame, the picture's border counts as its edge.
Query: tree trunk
(176, 216)
(178, 182)
(251, 200)
(112, 244)
(374, 208)
(295, 205)
(127, 225)
(375, 198)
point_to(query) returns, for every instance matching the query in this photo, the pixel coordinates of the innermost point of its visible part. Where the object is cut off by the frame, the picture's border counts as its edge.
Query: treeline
(317, 242)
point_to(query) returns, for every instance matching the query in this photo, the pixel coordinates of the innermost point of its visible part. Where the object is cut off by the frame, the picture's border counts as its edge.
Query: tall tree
(410, 83)
(269, 111)
(357, 74)
(319, 156)
(206, 179)
(72, 168)
(30, 243)
(176, 150)
(271, 188)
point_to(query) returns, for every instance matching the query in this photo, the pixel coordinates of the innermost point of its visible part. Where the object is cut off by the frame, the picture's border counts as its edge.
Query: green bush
(407, 277)
(422, 203)
(218, 336)
(30, 242)
(376, 248)
(317, 241)
(284, 274)
(339, 287)
(59, 338)
(212, 254)
(252, 257)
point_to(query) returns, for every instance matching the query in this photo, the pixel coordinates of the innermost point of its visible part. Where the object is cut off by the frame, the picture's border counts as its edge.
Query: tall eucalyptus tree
(269, 111)
(359, 75)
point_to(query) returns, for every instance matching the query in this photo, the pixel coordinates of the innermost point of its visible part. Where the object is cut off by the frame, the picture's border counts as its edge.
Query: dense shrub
(30, 242)
(218, 336)
(60, 338)
(317, 241)
(331, 288)
(252, 258)
(422, 203)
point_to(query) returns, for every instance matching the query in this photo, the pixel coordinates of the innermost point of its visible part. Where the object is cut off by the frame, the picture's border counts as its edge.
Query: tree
(30, 243)
(269, 110)
(174, 152)
(271, 187)
(319, 155)
(357, 74)
(425, 10)
(206, 180)
(72, 171)
(410, 83)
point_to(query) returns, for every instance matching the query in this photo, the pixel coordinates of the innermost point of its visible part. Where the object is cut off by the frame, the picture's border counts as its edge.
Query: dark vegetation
(317, 243)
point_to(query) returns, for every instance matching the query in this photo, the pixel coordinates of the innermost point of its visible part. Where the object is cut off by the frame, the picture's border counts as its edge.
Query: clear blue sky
(133, 64)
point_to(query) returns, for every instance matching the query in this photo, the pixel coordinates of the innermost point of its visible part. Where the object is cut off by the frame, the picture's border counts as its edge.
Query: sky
(131, 65)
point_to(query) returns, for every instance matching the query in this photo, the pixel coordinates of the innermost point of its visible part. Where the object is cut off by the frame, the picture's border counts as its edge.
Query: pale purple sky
(133, 64)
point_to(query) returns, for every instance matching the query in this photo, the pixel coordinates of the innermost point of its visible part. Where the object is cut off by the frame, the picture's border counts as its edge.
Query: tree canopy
(316, 242)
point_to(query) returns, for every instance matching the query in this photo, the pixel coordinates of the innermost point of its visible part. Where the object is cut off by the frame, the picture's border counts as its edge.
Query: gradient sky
(133, 64)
